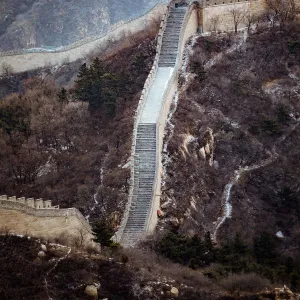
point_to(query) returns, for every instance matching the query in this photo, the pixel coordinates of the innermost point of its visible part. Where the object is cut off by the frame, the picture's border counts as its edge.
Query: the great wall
(208, 11)
(179, 22)
(36, 217)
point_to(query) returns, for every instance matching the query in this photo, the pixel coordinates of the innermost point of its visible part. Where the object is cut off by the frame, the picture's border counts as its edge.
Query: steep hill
(64, 273)
(44, 23)
(233, 164)
(71, 154)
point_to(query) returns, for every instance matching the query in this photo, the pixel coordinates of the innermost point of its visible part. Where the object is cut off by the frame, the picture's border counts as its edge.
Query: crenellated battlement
(30, 202)
(39, 218)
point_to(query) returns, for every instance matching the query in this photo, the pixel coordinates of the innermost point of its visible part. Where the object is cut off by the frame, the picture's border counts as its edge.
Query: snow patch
(279, 234)
(96, 202)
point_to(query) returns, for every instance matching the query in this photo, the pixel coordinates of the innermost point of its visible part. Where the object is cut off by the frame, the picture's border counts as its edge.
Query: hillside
(52, 24)
(58, 272)
(232, 162)
(65, 151)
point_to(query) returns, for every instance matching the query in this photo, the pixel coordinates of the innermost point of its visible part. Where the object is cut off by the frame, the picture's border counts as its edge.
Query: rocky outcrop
(174, 292)
(284, 294)
(92, 291)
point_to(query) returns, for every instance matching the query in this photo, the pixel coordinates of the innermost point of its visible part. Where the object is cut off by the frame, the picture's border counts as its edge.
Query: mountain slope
(44, 23)
(234, 155)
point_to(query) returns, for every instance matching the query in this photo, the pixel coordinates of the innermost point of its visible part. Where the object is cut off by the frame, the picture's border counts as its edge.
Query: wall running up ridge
(21, 61)
(140, 216)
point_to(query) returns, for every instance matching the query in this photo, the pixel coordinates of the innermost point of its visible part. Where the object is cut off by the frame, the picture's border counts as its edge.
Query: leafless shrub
(62, 239)
(150, 265)
(282, 11)
(7, 69)
(79, 239)
(238, 16)
(4, 230)
(214, 23)
(250, 19)
(245, 283)
(66, 60)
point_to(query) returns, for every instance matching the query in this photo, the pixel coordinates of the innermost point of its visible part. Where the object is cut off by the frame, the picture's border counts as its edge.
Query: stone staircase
(144, 174)
(171, 36)
(146, 139)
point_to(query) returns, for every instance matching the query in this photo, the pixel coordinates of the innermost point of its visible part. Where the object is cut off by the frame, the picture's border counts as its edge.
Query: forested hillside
(232, 160)
(72, 145)
(64, 273)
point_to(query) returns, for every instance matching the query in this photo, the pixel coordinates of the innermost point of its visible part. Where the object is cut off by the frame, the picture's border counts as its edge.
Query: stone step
(135, 227)
(168, 57)
(145, 148)
(138, 226)
(146, 143)
(138, 215)
(144, 134)
(140, 211)
(136, 206)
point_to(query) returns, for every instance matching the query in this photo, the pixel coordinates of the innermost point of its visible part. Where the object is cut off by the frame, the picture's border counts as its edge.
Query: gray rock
(91, 291)
(174, 291)
(43, 247)
(41, 254)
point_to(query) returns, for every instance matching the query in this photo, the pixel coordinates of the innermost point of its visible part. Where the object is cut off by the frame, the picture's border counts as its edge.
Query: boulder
(202, 153)
(279, 234)
(43, 247)
(207, 149)
(91, 291)
(160, 214)
(284, 294)
(174, 221)
(174, 292)
(41, 254)
(97, 285)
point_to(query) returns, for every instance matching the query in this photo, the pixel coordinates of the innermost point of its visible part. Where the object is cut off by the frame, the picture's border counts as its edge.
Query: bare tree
(214, 23)
(283, 11)
(7, 69)
(238, 16)
(250, 19)
(80, 239)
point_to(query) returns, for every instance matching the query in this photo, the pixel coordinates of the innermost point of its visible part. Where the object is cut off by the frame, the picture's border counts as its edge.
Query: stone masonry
(145, 156)
(30, 202)
(38, 218)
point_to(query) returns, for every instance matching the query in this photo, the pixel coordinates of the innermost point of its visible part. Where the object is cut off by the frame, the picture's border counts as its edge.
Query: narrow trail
(227, 206)
(53, 268)
(96, 202)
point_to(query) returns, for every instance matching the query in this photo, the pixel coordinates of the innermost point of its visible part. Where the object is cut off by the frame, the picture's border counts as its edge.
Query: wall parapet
(30, 202)
(34, 207)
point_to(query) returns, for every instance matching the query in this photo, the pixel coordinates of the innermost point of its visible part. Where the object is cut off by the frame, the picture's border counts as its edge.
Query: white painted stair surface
(145, 154)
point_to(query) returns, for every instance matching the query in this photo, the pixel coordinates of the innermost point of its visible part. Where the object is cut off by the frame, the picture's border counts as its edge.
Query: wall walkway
(140, 216)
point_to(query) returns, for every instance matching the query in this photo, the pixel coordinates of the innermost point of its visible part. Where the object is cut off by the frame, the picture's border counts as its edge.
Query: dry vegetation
(247, 95)
(64, 274)
(56, 148)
